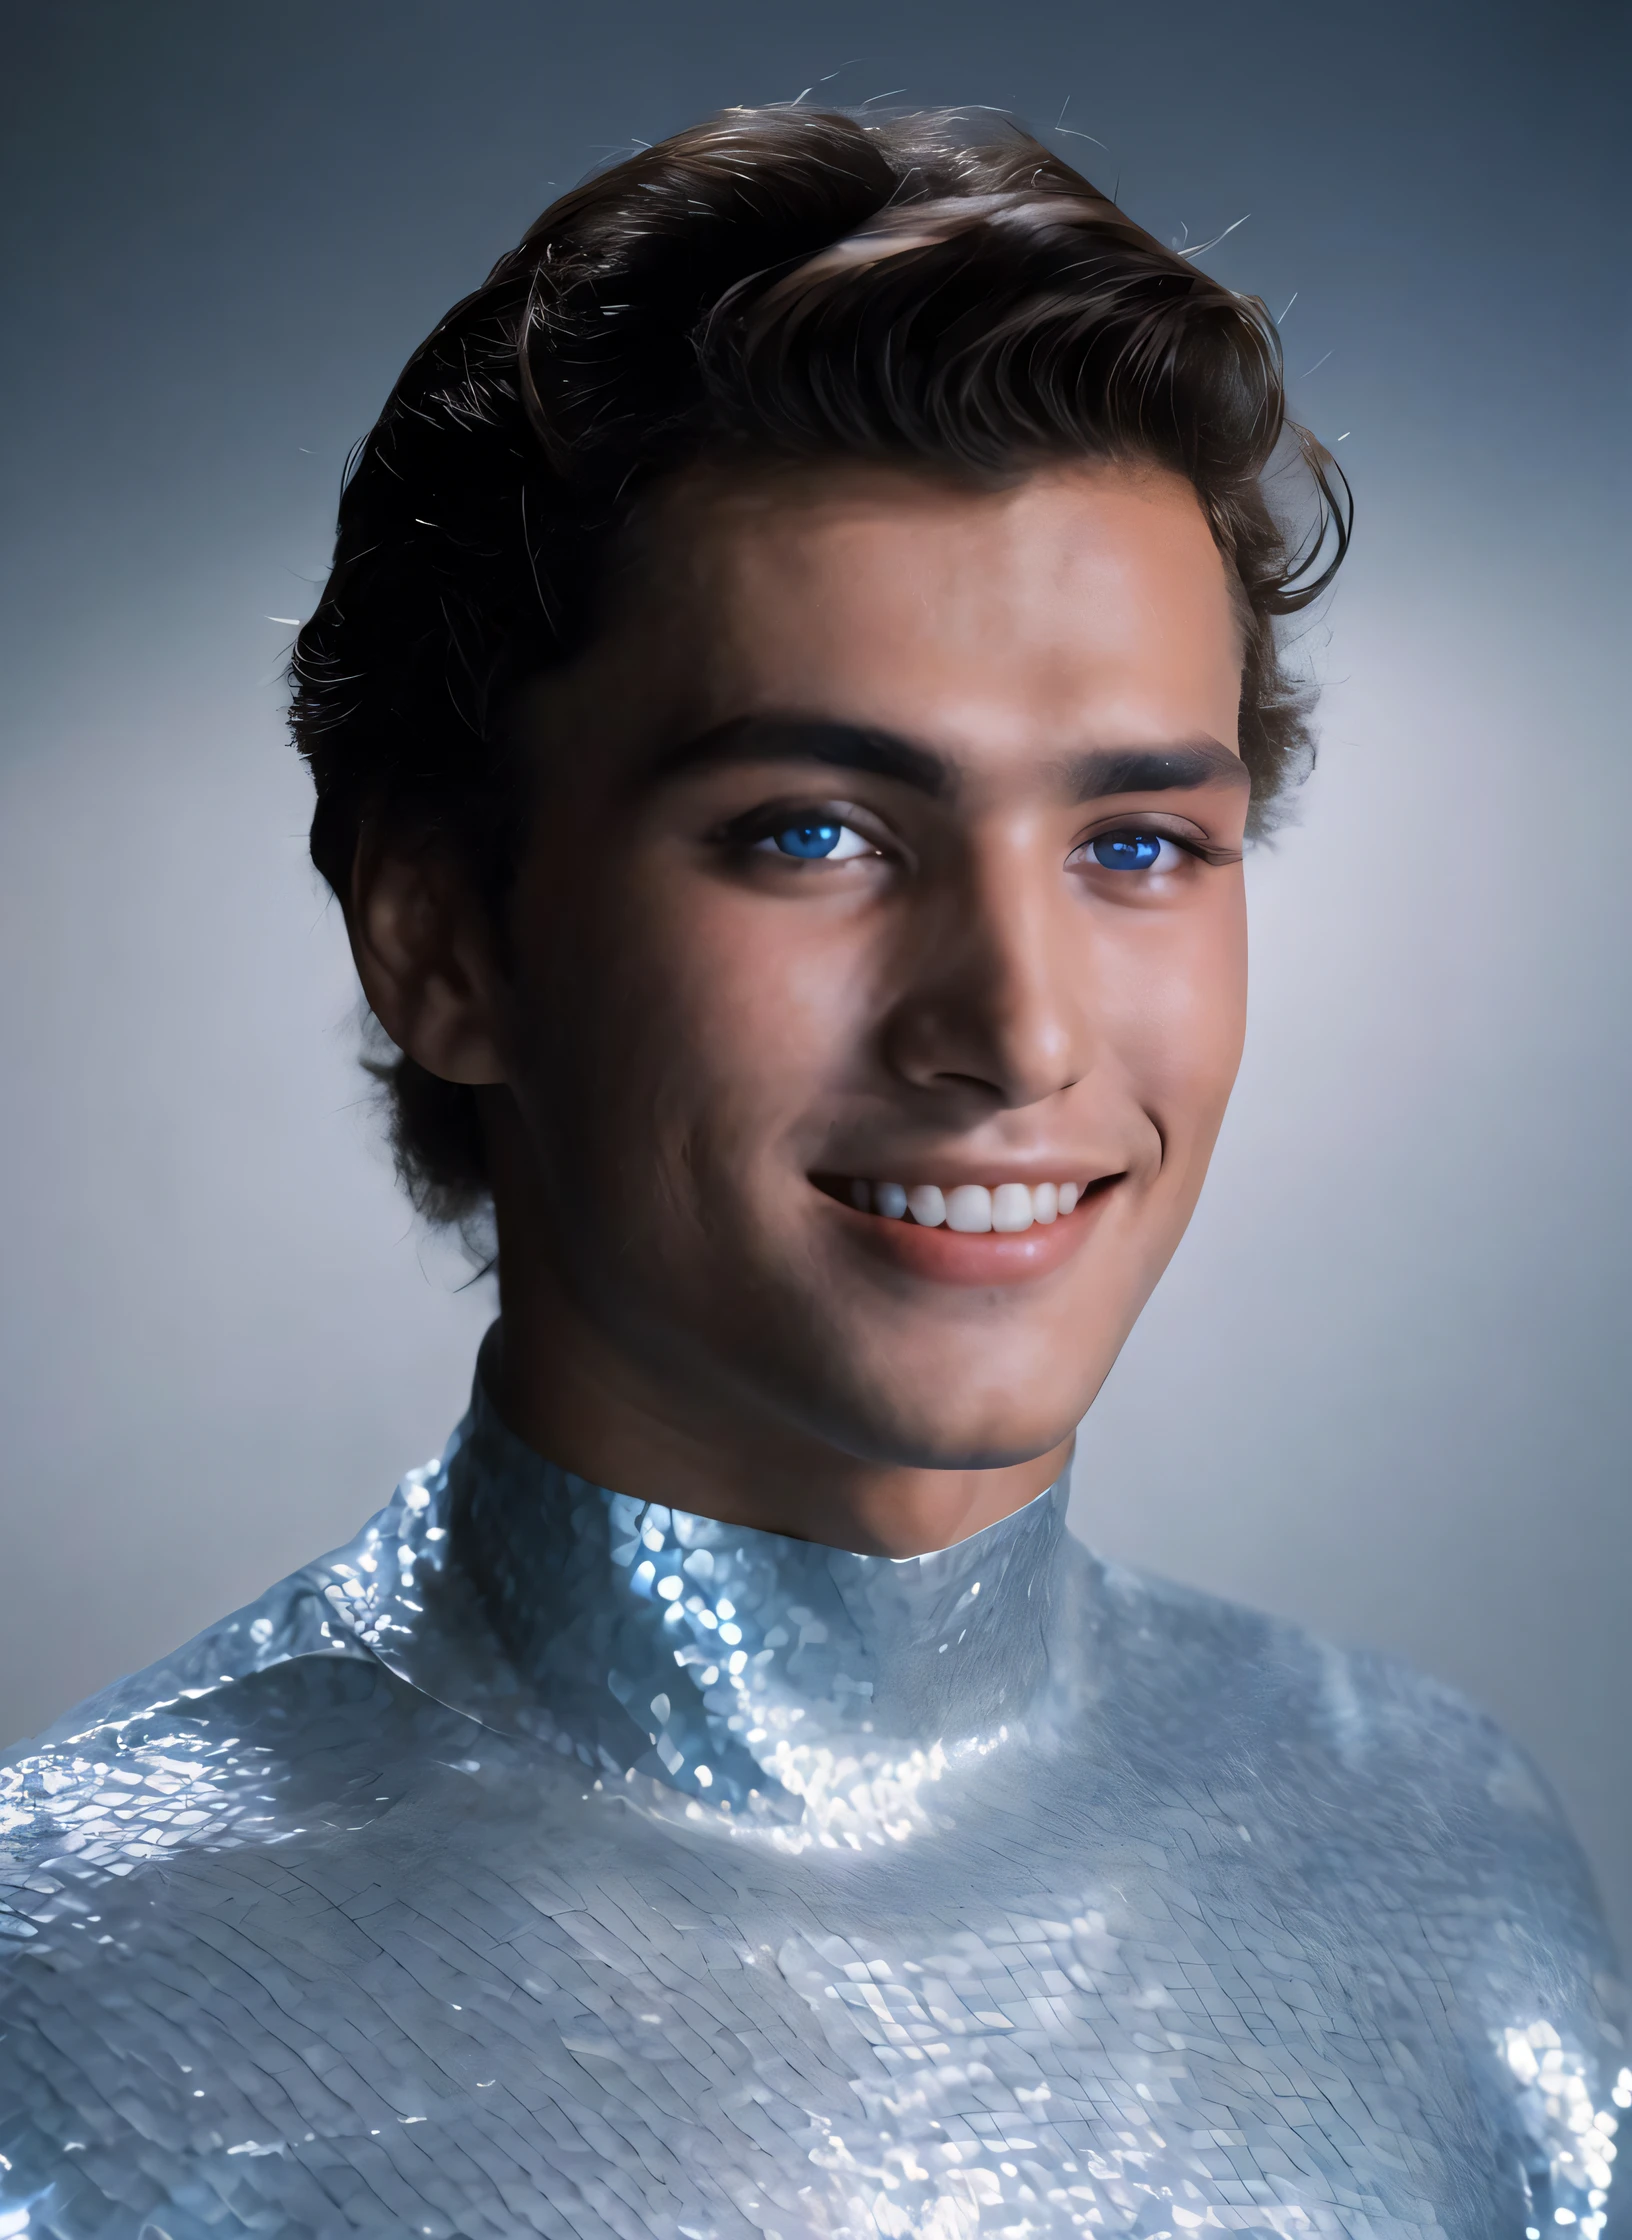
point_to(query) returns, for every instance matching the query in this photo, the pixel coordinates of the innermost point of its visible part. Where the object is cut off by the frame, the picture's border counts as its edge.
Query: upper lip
(949, 1174)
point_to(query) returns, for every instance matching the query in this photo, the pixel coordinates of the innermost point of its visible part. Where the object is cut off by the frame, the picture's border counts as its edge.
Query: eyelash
(752, 834)
(1133, 834)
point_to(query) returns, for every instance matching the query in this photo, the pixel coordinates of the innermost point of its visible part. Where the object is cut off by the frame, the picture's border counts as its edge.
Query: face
(876, 973)
(889, 848)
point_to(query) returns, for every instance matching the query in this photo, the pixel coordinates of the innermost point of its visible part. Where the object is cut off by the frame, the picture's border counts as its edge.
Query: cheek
(1182, 1032)
(774, 994)
(720, 1014)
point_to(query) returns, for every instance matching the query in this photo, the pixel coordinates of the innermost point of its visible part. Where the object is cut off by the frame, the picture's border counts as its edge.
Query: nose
(994, 1002)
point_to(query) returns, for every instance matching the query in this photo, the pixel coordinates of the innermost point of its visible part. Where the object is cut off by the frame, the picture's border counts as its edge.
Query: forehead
(1078, 601)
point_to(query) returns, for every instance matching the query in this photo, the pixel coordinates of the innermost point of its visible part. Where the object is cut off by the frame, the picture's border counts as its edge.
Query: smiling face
(875, 986)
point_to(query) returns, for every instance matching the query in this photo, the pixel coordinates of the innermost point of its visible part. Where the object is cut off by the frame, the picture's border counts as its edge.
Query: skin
(686, 1043)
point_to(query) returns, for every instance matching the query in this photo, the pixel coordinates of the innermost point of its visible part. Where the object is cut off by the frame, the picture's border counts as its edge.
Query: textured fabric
(547, 1862)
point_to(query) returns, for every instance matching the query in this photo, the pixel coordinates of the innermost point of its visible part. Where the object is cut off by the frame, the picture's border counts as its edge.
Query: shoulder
(156, 1761)
(1240, 1676)
(1381, 1772)
(145, 1846)
(1394, 1820)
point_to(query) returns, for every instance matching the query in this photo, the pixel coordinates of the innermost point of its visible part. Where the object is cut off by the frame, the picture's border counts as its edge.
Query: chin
(927, 1439)
(930, 1400)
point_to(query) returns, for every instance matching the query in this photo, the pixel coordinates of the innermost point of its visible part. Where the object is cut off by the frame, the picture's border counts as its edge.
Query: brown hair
(777, 283)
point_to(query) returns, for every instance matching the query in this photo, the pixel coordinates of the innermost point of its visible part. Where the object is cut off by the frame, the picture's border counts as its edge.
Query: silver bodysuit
(549, 1862)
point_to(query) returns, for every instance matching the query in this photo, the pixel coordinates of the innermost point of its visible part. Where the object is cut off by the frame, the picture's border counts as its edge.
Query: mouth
(998, 1232)
(970, 1209)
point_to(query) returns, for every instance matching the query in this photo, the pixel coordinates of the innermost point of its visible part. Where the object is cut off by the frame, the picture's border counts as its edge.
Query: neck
(786, 1684)
(566, 1391)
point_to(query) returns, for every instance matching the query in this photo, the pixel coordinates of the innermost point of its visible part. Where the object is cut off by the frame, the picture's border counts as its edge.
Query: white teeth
(1011, 1206)
(926, 1205)
(971, 1207)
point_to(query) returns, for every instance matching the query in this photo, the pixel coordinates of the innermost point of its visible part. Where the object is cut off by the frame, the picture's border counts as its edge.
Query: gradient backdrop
(1386, 1386)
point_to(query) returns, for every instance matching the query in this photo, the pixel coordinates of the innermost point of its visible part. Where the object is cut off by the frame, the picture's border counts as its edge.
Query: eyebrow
(1183, 766)
(1091, 775)
(838, 746)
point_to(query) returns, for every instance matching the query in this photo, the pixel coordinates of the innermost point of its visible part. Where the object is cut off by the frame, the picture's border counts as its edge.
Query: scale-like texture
(546, 1862)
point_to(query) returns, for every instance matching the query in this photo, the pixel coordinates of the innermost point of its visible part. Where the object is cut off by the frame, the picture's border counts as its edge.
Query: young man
(798, 675)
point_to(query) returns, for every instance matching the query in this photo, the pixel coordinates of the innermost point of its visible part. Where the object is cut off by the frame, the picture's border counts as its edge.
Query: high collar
(779, 1683)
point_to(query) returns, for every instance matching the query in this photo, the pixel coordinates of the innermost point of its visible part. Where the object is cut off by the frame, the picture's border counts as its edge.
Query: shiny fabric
(548, 1862)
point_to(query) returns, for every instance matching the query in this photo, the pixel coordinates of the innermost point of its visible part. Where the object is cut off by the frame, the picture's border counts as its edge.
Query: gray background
(1384, 1388)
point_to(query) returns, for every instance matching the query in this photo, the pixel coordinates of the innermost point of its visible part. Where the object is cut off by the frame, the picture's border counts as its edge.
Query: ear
(426, 956)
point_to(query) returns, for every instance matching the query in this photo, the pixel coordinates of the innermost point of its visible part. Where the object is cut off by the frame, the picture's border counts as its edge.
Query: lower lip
(986, 1256)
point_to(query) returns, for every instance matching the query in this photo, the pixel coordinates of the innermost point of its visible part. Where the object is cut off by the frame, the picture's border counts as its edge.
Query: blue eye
(815, 839)
(808, 840)
(1128, 851)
